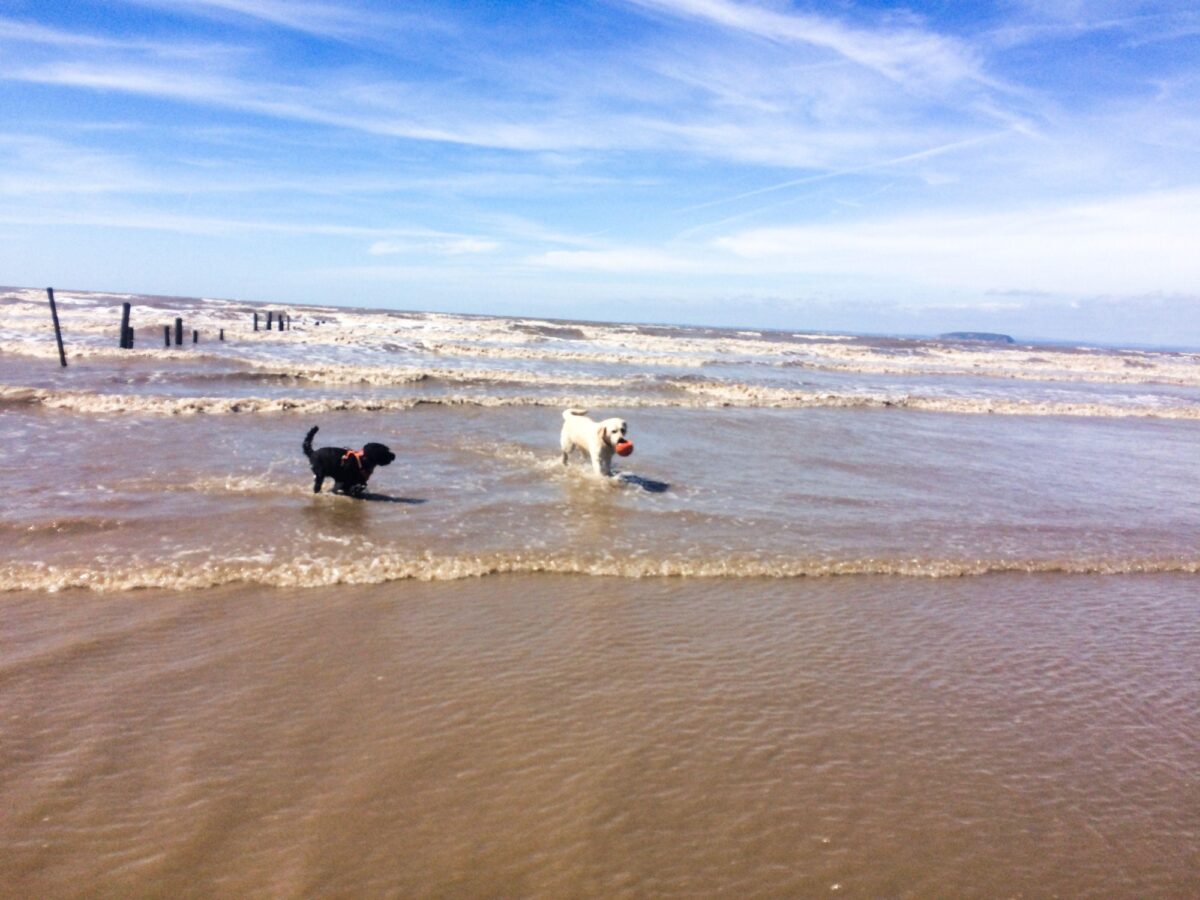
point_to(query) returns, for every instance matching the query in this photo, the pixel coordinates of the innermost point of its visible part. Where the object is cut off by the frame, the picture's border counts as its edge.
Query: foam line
(397, 566)
(701, 395)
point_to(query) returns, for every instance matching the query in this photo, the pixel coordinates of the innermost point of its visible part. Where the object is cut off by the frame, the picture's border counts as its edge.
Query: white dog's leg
(602, 462)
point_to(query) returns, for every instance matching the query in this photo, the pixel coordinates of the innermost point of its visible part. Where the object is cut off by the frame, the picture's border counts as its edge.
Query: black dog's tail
(308, 451)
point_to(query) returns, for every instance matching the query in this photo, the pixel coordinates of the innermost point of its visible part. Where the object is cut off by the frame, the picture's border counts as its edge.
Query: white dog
(598, 439)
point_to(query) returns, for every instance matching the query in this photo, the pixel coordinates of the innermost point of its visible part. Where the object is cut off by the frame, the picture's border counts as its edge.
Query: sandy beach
(546, 736)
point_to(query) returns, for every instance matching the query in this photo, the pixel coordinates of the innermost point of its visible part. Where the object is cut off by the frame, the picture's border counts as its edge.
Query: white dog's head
(612, 430)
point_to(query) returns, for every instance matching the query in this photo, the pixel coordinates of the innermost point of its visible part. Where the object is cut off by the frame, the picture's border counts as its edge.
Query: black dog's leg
(320, 480)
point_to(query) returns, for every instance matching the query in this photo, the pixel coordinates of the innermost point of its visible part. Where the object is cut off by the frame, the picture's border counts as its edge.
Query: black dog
(349, 469)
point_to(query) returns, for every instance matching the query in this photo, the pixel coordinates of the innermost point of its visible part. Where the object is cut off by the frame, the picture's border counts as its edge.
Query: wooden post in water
(195, 336)
(62, 355)
(129, 338)
(256, 321)
(166, 335)
(280, 317)
(270, 320)
(178, 331)
(125, 326)
(221, 335)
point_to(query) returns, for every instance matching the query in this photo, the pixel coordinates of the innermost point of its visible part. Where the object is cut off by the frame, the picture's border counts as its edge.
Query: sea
(859, 616)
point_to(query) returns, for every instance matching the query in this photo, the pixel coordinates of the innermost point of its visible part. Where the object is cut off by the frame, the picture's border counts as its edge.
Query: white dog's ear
(602, 431)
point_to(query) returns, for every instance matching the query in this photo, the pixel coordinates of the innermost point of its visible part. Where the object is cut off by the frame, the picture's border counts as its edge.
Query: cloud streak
(918, 156)
(319, 19)
(620, 261)
(1084, 248)
(909, 56)
(447, 245)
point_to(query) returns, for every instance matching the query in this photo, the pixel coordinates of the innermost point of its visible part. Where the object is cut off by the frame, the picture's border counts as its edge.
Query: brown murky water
(1012, 735)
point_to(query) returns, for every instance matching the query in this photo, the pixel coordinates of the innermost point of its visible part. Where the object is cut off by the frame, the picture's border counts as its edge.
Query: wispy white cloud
(1135, 24)
(621, 260)
(448, 245)
(24, 33)
(385, 239)
(181, 223)
(917, 156)
(34, 33)
(820, 118)
(424, 119)
(31, 165)
(903, 54)
(1125, 244)
(329, 20)
(1019, 33)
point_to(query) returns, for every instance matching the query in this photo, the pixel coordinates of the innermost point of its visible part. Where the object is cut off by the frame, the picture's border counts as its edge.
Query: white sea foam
(90, 329)
(48, 350)
(701, 396)
(396, 375)
(382, 567)
(238, 484)
(545, 354)
(1097, 368)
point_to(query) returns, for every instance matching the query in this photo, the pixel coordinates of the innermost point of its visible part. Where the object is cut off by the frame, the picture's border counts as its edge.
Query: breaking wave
(611, 347)
(87, 402)
(394, 566)
(48, 350)
(400, 375)
(690, 395)
(1128, 367)
(546, 354)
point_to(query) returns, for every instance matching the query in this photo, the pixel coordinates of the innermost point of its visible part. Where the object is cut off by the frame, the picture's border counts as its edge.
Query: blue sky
(1020, 166)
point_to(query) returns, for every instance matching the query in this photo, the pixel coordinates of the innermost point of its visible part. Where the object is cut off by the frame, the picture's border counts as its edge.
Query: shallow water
(757, 454)
(883, 617)
(198, 501)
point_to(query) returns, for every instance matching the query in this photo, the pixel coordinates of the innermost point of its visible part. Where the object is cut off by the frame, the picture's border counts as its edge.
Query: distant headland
(976, 336)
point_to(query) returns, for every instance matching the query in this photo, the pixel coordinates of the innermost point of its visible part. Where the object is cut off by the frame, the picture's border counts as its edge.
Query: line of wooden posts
(281, 320)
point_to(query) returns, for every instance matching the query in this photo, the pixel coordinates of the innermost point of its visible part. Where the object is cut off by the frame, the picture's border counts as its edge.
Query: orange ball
(624, 448)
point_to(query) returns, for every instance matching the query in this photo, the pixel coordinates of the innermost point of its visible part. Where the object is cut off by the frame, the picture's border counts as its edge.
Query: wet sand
(1005, 735)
